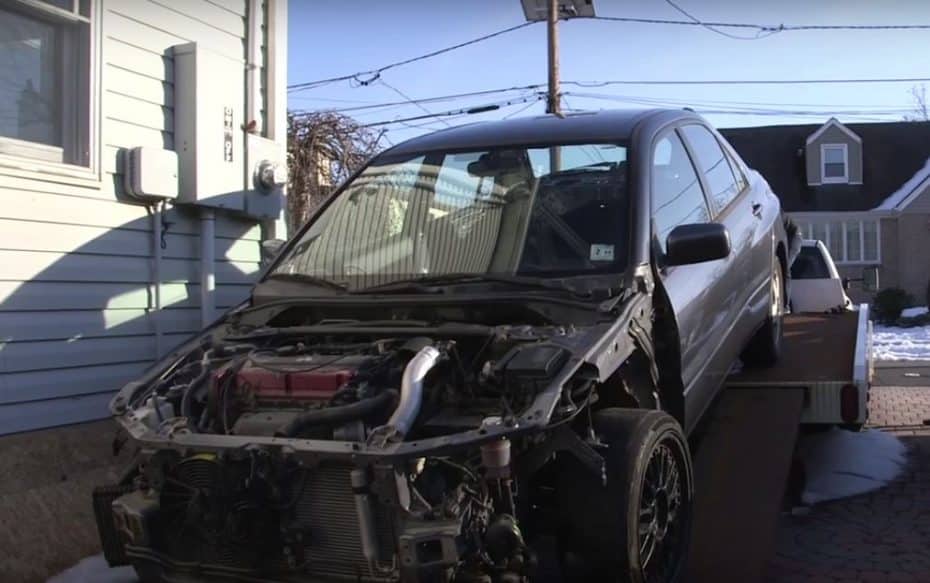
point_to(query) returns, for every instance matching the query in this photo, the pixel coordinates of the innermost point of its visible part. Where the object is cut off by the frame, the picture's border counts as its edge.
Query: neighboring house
(863, 189)
(90, 293)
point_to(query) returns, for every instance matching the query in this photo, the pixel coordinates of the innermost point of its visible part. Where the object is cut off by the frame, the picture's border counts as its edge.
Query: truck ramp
(742, 460)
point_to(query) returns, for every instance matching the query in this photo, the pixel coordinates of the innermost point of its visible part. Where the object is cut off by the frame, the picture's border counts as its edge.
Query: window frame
(701, 181)
(806, 226)
(824, 179)
(715, 212)
(78, 72)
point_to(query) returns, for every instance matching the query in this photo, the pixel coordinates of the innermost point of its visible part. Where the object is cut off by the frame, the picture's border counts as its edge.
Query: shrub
(889, 303)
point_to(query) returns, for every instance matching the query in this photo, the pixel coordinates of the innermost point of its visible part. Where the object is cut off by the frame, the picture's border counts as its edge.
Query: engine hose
(338, 415)
(187, 399)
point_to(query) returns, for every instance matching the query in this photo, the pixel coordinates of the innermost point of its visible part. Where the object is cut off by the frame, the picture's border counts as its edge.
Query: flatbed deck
(816, 348)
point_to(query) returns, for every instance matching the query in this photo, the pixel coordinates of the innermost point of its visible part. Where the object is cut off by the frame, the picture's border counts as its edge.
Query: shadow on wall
(79, 310)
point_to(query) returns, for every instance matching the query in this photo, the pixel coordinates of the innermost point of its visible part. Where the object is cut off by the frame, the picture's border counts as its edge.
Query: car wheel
(765, 347)
(635, 526)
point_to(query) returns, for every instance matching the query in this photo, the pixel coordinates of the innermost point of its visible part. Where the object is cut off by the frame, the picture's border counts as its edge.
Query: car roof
(577, 127)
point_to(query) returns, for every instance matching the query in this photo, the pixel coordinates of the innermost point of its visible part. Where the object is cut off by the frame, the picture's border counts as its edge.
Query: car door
(701, 294)
(733, 206)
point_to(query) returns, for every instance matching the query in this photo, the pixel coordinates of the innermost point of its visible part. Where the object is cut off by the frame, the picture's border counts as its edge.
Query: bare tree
(323, 150)
(919, 95)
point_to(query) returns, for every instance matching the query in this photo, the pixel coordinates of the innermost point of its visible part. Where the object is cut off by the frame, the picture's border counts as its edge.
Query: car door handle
(757, 209)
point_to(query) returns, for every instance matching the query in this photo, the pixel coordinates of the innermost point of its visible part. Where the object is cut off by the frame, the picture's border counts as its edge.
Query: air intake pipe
(411, 397)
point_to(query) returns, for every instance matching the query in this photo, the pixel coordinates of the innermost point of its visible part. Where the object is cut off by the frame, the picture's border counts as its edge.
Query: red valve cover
(297, 381)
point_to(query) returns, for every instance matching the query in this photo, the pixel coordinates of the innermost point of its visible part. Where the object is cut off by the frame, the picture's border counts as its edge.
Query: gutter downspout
(207, 267)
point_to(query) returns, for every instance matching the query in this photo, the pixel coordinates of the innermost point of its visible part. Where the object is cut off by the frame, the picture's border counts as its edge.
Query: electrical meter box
(209, 91)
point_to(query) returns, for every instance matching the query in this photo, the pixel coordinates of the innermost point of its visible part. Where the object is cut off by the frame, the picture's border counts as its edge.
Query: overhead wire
(370, 76)
(765, 28)
(457, 112)
(410, 100)
(759, 33)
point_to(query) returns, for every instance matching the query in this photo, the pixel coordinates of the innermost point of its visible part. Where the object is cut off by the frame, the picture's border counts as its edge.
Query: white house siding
(76, 292)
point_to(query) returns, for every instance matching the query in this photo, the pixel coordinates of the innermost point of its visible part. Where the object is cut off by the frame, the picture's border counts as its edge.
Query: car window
(677, 197)
(715, 165)
(810, 264)
(741, 181)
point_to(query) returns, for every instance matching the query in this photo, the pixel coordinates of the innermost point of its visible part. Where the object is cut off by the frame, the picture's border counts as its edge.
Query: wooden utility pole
(553, 102)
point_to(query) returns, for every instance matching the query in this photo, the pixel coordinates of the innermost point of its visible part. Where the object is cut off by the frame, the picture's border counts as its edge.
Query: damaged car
(487, 348)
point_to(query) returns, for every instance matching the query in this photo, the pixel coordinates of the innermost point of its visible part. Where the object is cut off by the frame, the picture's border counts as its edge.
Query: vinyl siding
(920, 204)
(77, 316)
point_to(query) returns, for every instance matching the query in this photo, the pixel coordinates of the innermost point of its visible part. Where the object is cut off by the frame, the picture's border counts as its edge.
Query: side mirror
(697, 243)
(870, 279)
(846, 281)
(270, 249)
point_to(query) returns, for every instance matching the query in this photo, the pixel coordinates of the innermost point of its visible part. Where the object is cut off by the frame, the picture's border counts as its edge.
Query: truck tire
(764, 348)
(636, 527)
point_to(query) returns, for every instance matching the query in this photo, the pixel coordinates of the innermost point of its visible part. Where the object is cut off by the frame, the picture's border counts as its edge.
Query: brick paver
(879, 536)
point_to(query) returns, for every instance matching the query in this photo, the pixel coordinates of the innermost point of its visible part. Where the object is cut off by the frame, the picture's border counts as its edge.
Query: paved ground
(880, 536)
(902, 373)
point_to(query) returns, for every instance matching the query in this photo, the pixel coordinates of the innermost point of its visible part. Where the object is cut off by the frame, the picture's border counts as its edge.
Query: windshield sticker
(601, 252)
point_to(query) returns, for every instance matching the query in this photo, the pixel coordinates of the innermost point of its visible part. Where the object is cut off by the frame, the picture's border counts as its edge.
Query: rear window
(810, 265)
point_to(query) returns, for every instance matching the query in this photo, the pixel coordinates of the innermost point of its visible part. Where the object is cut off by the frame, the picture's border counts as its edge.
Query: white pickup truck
(827, 346)
(816, 285)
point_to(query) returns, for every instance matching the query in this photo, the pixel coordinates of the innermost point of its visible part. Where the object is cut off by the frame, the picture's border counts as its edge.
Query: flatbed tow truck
(744, 453)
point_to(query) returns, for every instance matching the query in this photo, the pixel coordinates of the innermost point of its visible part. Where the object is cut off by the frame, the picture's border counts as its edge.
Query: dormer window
(834, 163)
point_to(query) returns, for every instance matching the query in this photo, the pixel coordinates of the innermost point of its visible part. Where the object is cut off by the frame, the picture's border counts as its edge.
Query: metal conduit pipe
(207, 267)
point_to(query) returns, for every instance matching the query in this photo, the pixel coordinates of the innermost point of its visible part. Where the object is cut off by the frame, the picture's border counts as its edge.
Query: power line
(598, 84)
(411, 101)
(759, 33)
(457, 112)
(747, 81)
(440, 98)
(368, 77)
(763, 28)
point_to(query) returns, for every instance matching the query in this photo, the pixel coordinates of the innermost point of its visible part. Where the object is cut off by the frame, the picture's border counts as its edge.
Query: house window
(834, 161)
(849, 240)
(45, 97)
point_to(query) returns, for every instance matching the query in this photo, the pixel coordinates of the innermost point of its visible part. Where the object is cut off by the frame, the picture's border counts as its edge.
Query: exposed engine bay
(353, 451)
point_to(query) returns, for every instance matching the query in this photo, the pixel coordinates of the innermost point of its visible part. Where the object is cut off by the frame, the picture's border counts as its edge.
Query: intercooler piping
(411, 396)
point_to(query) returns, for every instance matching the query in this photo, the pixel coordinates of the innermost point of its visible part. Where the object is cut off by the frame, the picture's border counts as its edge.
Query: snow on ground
(894, 343)
(95, 570)
(841, 463)
(913, 312)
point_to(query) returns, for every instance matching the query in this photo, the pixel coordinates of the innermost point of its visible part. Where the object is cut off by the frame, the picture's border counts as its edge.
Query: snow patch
(841, 463)
(95, 570)
(893, 343)
(897, 197)
(913, 312)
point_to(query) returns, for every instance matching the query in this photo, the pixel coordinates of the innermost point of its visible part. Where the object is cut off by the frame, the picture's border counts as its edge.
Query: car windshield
(553, 211)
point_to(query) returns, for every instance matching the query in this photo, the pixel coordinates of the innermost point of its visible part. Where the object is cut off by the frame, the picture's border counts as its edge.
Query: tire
(764, 349)
(604, 533)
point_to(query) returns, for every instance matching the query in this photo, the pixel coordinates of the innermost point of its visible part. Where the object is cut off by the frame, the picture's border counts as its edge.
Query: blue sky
(336, 37)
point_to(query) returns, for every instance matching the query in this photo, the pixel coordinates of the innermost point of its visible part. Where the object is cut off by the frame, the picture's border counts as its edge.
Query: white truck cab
(816, 285)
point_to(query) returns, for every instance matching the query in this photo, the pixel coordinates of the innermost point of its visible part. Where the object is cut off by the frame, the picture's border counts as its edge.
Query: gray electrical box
(209, 91)
(220, 164)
